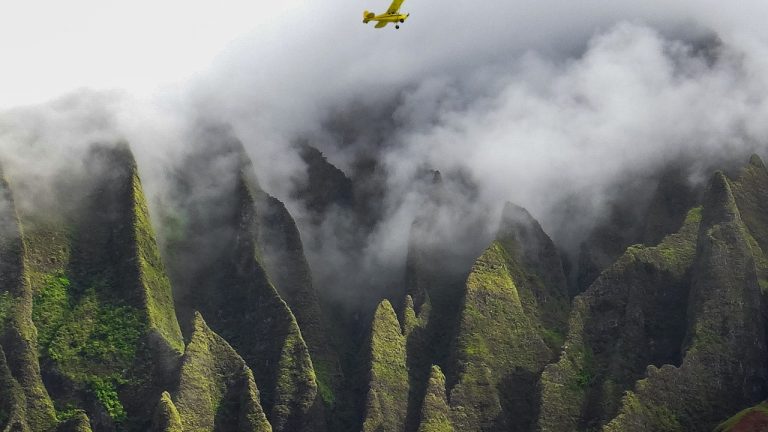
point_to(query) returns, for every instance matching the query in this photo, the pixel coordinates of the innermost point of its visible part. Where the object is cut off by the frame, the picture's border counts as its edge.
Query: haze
(539, 103)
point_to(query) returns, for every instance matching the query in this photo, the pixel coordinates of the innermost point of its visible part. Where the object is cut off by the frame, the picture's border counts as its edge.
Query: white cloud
(538, 101)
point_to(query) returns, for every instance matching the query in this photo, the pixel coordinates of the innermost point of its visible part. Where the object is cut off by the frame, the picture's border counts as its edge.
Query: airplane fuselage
(397, 17)
(384, 18)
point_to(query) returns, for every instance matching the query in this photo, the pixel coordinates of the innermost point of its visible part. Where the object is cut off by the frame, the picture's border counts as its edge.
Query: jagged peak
(756, 161)
(198, 323)
(387, 398)
(513, 213)
(719, 202)
(520, 227)
(166, 418)
(117, 154)
(385, 316)
(410, 320)
(435, 412)
(213, 375)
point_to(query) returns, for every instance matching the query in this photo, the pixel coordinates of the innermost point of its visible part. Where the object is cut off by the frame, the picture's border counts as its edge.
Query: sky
(538, 102)
(50, 48)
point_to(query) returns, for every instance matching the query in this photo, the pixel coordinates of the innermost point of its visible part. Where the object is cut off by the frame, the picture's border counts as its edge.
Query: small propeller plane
(392, 15)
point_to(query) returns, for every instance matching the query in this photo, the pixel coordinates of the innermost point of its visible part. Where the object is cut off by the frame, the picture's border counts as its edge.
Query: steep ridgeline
(512, 320)
(326, 187)
(24, 401)
(282, 254)
(436, 274)
(94, 308)
(627, 224)
(632, 316)
(672, 337)
(435, 412)
(386, 403)
(216, 390)
(223, 265)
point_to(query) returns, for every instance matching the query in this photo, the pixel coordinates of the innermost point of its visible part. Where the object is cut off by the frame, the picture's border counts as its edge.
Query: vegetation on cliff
(669, 336)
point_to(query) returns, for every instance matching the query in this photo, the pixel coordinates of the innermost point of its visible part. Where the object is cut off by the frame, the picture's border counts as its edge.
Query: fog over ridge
(536, 104)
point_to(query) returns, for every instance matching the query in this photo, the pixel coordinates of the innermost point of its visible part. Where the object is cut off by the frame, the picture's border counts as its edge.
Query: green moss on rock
(500, 345)
(18, 336)
(13, 416)
(631, 316)
(153, 279)
(216, 388)
(229, 284)
(723, 368)
(435, 413)
(387, 398)
(166, 417)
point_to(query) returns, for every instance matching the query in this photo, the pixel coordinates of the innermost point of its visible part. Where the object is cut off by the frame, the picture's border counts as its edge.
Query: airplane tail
(367, 16)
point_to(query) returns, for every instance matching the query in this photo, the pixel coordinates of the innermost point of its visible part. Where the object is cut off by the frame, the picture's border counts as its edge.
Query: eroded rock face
(634, 315)
(668, 337)
(220, 266)
(216, 388)
(435, 412)
(512, 319)
(671, 337)
(166, 418)
(387, 399)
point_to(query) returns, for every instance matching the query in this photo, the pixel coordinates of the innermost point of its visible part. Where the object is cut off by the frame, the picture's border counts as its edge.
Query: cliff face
(724, 363)
(221, 266)
(511, 321)
(224, 331)
(216, 389)
(671, 337)
(88, 314)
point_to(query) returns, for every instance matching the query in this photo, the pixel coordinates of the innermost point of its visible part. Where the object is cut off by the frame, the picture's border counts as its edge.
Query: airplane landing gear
(397, 26)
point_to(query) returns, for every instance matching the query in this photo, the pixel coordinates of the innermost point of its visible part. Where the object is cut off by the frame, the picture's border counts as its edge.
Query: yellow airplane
(392, 15)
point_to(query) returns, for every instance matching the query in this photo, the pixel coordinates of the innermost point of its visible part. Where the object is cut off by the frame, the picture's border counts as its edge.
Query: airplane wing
(395, 6)
(381, 24)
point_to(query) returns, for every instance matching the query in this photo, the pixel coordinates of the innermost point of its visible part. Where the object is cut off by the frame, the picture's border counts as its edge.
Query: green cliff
(78, 423)
(387, 399)
(435, 413)
(282, 253)
(216, 390)
(723, 368)
(218, 266)
(27, 404)
(166, 417)
(631, 316)
(512, 318)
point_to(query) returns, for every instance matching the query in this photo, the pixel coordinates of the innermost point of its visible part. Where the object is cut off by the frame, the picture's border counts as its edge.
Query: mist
(556, 106)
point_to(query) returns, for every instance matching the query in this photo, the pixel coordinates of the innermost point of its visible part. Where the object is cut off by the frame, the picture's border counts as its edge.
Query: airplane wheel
(397, 27)
(402, 21)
